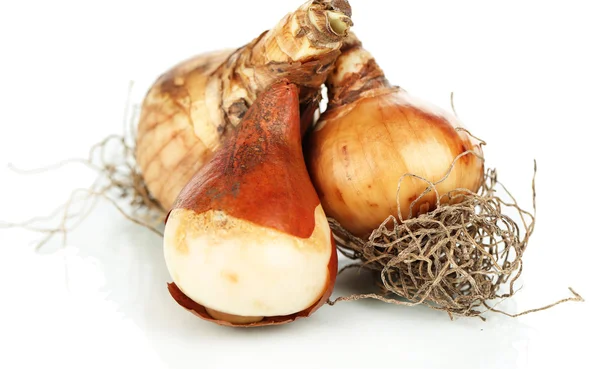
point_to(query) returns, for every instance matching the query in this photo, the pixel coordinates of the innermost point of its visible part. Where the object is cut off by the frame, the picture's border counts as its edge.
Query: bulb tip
(338, 23)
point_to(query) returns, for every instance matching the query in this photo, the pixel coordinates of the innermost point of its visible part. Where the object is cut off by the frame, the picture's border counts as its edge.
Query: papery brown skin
(259, 175)
(372, 134)
(192, 107)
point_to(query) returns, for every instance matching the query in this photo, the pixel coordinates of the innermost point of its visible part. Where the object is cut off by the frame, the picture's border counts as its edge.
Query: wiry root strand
(119, 182)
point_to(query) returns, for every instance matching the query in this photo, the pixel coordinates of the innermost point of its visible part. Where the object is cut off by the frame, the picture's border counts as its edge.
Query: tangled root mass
(456, 258)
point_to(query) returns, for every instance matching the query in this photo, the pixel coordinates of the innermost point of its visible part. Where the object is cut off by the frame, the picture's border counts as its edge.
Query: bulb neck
(315, 29)
(356, 74)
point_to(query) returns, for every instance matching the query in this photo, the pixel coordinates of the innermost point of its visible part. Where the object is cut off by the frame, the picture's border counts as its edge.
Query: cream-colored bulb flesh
(242, 271)
(231, 318)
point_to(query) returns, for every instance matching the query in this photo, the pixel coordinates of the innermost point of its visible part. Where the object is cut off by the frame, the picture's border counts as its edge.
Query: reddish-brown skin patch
(259, 173)
(200, 311)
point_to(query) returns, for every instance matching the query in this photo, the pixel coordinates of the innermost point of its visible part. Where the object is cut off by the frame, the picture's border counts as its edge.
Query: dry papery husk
(459, 258)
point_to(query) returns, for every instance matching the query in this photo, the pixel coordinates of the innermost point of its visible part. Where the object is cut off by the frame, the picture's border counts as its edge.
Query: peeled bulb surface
(215, 262)
(359, 151)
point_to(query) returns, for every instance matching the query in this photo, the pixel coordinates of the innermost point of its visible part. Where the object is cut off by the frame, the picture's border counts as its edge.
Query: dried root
(119, 182)
(457, 258)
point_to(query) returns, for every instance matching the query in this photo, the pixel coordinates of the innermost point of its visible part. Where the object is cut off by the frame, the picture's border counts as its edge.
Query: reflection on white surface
(117, 302)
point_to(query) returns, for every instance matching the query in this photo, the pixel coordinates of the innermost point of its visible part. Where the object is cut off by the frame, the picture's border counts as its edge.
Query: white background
(526, 78)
